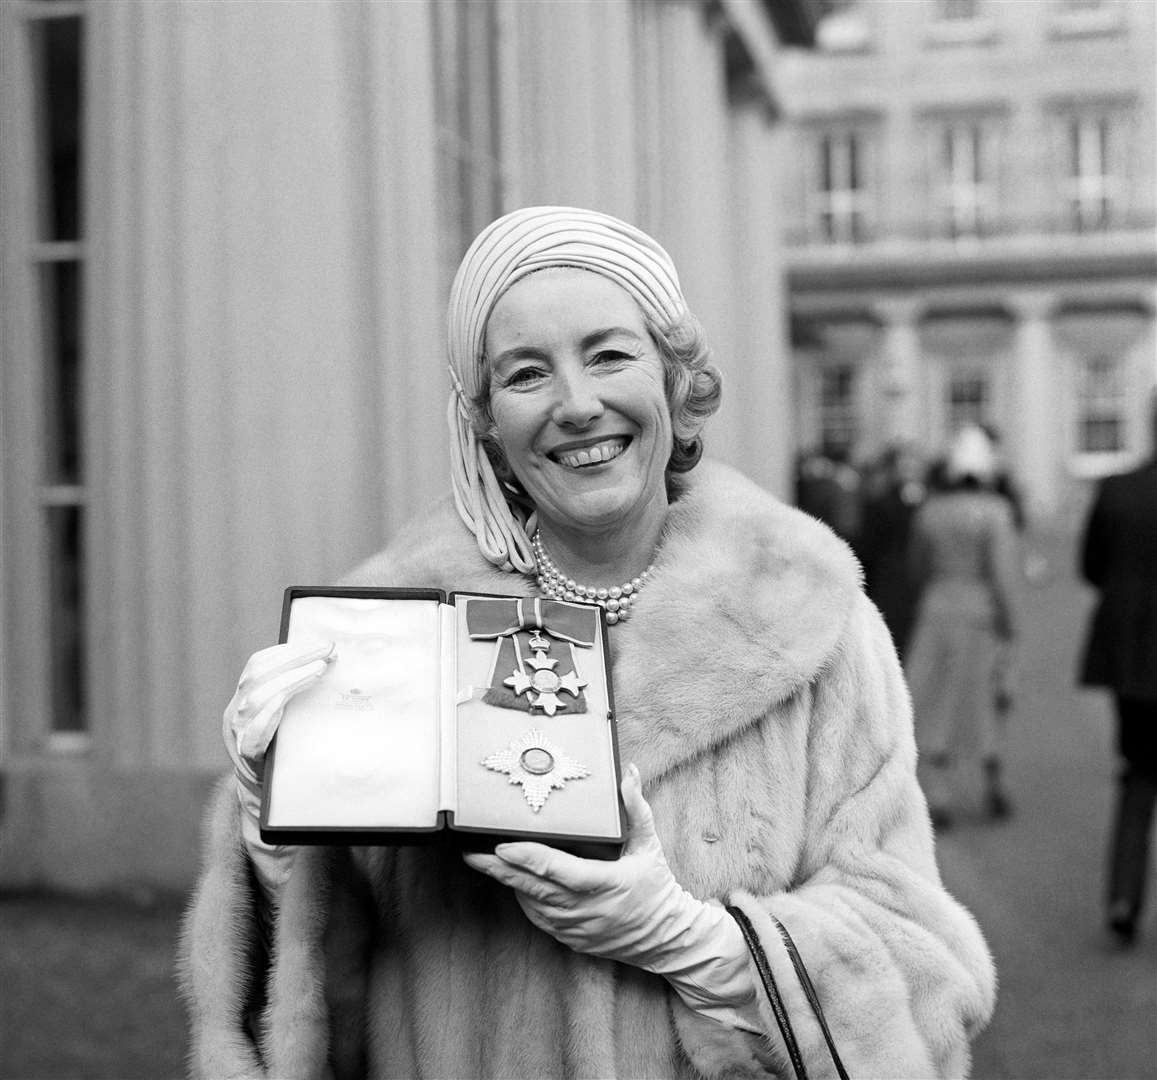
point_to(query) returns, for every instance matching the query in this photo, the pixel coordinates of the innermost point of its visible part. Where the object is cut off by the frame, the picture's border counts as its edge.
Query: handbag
(777, 1007)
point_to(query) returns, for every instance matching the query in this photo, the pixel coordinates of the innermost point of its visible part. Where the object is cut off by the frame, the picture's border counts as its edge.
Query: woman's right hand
(268, 682)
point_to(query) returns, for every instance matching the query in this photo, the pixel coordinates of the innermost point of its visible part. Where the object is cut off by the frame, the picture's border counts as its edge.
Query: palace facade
(970, 210)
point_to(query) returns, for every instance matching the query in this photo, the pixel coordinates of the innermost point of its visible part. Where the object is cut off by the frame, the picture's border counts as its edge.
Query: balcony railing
(939, 231)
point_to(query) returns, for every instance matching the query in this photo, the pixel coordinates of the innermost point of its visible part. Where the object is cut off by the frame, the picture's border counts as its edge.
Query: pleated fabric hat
(517, 244)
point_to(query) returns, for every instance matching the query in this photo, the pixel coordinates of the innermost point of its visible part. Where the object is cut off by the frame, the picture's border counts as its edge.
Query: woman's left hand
(632, 909)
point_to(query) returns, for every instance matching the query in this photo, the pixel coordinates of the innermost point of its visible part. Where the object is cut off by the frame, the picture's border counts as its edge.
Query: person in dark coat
(828, 488)
(892, 495)
(1119, 559)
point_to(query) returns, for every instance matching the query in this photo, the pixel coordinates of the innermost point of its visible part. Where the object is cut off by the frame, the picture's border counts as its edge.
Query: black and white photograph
(578, 539)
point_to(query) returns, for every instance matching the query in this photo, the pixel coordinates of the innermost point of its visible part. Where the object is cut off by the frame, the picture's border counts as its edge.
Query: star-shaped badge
(544, 685)
(533, 761)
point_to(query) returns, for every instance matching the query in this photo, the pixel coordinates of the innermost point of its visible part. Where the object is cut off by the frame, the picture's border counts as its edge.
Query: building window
(1091, 188)
(50, 288)
(1087, 18)
(960, 22)
(958, 9)
(1101, 406)
(840, 191)
(966, 171)
(467, 103)
(838, 427)
(968, 399)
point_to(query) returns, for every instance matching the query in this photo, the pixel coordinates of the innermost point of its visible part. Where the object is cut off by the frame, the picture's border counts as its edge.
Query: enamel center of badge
(543, 685)
(536, 761)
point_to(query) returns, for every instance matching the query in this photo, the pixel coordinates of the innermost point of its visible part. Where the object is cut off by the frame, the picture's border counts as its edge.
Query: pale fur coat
(758, 692)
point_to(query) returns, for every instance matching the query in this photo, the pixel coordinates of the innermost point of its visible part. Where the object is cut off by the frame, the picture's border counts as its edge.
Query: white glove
(632, 910)
(270, 678)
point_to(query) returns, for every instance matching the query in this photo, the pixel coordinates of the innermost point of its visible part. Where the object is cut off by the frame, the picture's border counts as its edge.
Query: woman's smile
(586, 454)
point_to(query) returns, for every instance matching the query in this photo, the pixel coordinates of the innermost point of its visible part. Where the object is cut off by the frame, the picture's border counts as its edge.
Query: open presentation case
(465, 717)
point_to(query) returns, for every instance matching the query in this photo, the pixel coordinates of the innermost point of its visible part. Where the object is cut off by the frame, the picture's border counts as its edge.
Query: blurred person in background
(759, 702)
(1033, 564)
(828, 488)
(1036, 564)
(893, 491)
(964, 561)
(1003, 482)
(1118, 557)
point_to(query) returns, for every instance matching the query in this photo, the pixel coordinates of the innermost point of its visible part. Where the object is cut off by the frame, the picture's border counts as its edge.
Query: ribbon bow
(522, 675)
(574, 623)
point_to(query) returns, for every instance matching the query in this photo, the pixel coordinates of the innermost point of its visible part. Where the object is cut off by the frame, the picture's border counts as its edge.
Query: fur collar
(746, 603)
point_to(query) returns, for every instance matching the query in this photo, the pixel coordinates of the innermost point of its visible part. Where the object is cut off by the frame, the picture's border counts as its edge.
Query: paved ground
(86, 989)
(1070, 1004)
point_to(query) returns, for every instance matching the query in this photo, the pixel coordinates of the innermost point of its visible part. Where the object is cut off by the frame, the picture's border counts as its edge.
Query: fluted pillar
(267, 392)
(758, 386)
(901, 355)
(1034, 438)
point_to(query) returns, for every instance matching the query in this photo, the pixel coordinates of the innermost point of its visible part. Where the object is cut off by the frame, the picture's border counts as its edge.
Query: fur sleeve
(285, 1000)
(219, 950)
(901, 969)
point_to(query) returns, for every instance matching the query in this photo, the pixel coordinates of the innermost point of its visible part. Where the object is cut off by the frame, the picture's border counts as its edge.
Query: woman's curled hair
(693, 383)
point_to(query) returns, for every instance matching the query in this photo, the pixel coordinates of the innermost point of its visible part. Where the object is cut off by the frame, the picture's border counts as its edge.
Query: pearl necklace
(616, 601)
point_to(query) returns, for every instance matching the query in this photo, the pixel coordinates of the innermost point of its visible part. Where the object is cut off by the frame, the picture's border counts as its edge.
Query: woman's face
(577, 396)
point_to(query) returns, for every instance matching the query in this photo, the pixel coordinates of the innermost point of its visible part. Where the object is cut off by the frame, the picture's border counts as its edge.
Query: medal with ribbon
(534, 668)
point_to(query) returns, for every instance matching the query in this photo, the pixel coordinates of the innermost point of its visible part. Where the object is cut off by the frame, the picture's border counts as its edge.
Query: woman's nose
(578, 404)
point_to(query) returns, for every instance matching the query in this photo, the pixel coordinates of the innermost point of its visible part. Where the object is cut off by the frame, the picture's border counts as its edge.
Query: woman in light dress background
(965, 564)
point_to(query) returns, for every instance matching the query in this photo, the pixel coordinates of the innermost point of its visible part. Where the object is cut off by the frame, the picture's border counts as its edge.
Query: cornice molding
(1112, 256)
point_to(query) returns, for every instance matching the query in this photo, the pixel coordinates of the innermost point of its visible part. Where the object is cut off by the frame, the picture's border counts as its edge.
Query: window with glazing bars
(55, 37)
(958, 9)
(838, 408)
(1091, 184)
(968, 393)
(840, 193)
(1101, 405)
(966, 178)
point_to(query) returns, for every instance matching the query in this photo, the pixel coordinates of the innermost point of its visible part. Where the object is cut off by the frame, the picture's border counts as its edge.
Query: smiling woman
(759, 702)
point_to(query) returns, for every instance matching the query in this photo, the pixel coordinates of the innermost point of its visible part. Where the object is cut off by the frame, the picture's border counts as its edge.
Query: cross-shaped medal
(542, 688)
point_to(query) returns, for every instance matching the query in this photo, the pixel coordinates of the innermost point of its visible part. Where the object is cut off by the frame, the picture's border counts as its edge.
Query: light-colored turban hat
(508, 249)
(972, 455)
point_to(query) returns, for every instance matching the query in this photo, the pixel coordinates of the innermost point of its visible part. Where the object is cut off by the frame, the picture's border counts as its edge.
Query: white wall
(266, 383)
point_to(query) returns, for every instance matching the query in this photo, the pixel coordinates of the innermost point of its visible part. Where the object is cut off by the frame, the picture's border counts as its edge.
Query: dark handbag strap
(811, 995)
(777, 1007)
(768, 980)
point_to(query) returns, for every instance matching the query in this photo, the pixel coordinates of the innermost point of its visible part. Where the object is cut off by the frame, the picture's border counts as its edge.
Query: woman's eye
(611, 356)
(523, 377)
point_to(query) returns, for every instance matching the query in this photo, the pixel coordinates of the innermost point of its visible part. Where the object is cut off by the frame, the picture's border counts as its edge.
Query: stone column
(901, 367)
(1036, 438)
(258, 308)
